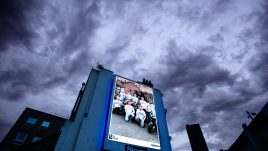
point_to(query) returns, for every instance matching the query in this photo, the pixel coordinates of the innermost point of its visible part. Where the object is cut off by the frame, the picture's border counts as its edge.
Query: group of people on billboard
(133, 113)
(135, 108)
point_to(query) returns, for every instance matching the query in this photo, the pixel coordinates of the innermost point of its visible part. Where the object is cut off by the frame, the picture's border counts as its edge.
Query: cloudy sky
(209, 58)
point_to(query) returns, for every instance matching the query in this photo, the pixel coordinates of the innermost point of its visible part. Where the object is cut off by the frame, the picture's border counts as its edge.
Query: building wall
(71, 129)
(196, 138)
(90, 128)
(55, 126)
(162, 122)
(254, 136)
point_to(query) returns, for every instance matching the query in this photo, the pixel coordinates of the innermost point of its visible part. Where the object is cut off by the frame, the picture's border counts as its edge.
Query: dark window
(36, 139)
(31, 121)
(45, 125)
(20, 138)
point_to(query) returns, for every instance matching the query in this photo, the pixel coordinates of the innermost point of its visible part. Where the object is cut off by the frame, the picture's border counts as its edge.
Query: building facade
(254, 136)
(31, 126)
(196, 138)
(98, 123)
(111, 113)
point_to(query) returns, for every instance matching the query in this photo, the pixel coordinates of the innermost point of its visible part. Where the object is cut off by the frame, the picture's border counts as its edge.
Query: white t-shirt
(135, 99)
(128, 96)
(129, 109)
(141, 114)
(150, 107)
(143, 104)
(117, 103)
(152, 113)
(122, 96)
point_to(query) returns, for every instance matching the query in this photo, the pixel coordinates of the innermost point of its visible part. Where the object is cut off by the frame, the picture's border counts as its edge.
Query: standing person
(143, 103)
(117, 104)
(150, 106)
(140, 116)
(128, 96)
(122, 95)
(135, 99)
(129, 112)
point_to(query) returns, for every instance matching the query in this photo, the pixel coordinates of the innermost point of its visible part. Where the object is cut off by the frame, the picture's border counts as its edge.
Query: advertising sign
(133, 115)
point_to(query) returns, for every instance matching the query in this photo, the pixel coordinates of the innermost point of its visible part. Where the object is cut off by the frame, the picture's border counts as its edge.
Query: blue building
(114, 113)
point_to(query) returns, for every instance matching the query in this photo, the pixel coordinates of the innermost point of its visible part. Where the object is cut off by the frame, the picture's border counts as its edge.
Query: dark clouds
(260, 69)
(15, 89)
(192, 71)
(5, 126)
(43, 48)
(216, 38)
(14, 22)
(54, 62)
(210, 60)
(263, 21)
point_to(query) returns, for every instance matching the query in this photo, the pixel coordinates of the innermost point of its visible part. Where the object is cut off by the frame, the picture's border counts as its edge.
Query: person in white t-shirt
(150, 106)
(140, 116)
(129, 112)
(117, 103)
(143, 103)
(122, 95)
(152, 113)
(128, 96)
(135, 99)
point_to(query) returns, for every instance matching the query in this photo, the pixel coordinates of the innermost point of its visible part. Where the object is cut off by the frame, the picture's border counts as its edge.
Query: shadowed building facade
(196, 138)
(31, 127)
(255, 135)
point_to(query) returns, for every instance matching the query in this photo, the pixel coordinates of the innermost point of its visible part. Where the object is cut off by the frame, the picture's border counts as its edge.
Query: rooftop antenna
(250, 114)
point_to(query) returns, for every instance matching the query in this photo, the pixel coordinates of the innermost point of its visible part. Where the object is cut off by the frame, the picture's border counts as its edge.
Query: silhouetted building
(33, 127)
(196, 138)
(254, 136)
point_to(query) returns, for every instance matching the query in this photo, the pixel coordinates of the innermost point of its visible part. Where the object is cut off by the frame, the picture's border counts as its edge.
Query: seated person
(140, 116)
(129, 112)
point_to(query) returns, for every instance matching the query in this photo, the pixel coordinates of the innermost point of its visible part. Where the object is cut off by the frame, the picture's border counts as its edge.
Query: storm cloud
(209, 59)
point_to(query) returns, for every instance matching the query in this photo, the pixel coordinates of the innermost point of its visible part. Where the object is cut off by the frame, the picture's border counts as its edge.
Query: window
(36, 139)
(31, 121)
(20, 138)
(45, 125)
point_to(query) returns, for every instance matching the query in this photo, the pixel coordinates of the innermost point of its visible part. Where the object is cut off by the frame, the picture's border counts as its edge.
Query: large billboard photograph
(133, 115)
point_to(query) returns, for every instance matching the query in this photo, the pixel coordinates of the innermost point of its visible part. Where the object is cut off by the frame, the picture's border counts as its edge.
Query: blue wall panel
(71, 129)
(91, 132)
(162, 123)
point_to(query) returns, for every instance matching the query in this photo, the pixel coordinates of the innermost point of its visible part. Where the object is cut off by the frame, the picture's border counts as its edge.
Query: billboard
(133, 115)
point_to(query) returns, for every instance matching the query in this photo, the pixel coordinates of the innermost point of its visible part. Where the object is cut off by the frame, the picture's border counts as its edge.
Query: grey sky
(210, 58)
